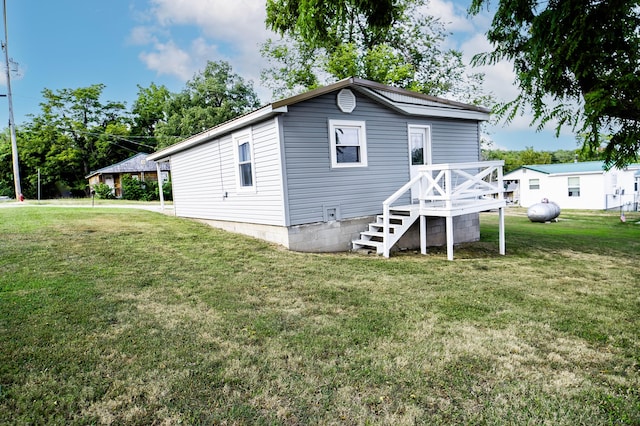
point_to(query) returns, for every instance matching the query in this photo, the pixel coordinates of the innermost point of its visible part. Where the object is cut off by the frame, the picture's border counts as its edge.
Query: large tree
(213, 96)
(149, 111)
(84, 122)
(391, 42)
(576, 62)
(74, 134)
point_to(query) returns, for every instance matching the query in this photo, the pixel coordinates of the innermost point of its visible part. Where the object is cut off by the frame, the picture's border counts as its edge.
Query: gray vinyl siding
(455, 141)
(313, 186)
(203, 174)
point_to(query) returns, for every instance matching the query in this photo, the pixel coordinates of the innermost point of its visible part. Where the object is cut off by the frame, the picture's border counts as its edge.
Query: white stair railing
(386, 208)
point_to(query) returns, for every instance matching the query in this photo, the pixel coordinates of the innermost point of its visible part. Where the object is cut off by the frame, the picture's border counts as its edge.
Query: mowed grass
(111, 316)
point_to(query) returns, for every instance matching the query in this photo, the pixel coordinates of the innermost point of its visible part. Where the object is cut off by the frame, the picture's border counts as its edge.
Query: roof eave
(372, 86)
(229, 126)
(315, 93)
(449, 111)
(361, 84)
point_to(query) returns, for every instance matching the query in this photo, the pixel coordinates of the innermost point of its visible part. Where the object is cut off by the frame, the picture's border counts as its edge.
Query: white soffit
(424, 107)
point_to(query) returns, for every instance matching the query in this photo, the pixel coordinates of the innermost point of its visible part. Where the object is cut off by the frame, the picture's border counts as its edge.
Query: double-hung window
(574, 186)
(534, 184)
(244, 161)
(348, 141)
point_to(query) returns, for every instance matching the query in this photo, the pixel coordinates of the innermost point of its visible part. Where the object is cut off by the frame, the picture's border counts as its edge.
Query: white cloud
(452, 15)
(240, 22)
(141, 36)
(180, 36)
(498, 77)
(169, 59)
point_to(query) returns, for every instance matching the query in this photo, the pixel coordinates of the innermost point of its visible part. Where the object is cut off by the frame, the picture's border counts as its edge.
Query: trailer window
(574, 186)
(348, 143)
(534, 183)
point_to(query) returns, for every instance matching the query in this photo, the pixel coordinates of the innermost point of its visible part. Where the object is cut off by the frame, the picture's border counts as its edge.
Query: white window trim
(569, 187)
(238, 139)
(362, 143)
(537, 183)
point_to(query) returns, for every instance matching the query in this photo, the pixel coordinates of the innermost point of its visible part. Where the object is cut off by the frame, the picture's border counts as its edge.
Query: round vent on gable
(346, 100)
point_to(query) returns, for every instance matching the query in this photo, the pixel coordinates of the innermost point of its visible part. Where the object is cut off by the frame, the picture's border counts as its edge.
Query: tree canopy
(149, 110)
(391, 42)
(76, 132)
(577, 62)
(211, 97)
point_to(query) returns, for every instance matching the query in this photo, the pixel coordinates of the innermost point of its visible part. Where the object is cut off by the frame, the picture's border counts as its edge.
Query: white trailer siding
(598, 190)
(205, 183)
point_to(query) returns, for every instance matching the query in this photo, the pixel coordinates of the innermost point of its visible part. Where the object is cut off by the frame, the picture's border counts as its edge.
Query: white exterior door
(110, 182)
(419, 151)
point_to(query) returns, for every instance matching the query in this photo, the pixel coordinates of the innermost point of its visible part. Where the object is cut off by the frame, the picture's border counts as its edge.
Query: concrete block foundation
(336, 236)
(466, 229)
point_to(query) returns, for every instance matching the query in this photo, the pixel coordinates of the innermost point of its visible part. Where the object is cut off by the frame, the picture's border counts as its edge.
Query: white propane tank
(544, 211)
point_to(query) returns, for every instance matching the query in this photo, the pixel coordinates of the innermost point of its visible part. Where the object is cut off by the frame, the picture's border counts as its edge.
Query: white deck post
(449, 237)
(423, 234)
(501, 230)
(160, 192)
(386, 211)
(448, 189)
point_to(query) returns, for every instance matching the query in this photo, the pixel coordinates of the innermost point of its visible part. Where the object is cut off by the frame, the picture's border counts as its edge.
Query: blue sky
(124, 43)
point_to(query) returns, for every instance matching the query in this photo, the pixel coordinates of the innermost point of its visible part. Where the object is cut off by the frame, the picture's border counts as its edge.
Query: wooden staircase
(400, 220)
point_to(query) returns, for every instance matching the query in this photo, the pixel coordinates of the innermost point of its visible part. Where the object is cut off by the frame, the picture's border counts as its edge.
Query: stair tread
(367, 242)
(373, 234)
(402, 218)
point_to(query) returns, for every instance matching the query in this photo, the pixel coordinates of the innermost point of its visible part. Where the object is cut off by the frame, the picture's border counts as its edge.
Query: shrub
(104, 191)
(150, 191)
(132, 189)
(166, 191)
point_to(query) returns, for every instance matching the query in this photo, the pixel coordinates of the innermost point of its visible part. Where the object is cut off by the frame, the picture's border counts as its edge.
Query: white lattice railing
(453, 182)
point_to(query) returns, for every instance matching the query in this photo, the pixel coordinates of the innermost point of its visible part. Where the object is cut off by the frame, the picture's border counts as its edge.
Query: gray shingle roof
(136, 164)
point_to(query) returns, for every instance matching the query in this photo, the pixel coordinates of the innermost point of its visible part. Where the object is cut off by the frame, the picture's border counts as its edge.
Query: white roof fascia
(229, 126)
(444, 111)
(593, 172)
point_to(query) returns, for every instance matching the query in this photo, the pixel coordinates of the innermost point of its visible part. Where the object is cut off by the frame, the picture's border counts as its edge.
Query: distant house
(138, 166)
(350, 165)
(585, 185)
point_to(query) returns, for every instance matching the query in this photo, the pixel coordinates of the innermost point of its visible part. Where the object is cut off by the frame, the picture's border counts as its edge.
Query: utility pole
(12, 127)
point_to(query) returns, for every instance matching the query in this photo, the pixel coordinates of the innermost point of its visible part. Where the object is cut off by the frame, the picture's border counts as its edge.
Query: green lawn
(113, 316)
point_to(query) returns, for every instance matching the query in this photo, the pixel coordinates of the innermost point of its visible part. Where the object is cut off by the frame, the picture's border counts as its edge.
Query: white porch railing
(449, 190)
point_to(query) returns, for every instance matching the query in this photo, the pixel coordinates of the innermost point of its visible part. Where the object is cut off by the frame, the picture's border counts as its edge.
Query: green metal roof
(585, 167)
(558, 168)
